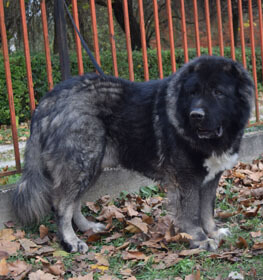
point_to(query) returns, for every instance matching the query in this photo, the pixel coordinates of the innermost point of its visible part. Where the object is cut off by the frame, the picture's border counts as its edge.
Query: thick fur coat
(183, 131)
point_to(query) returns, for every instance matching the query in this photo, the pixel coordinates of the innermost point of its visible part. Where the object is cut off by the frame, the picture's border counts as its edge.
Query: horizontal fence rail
(202, 28)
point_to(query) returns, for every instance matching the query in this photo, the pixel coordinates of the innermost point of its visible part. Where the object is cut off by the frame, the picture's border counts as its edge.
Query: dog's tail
(31, 199)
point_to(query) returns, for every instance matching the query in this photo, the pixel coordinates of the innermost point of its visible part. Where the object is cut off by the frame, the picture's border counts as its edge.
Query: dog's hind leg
(82, 223)
(67, 236)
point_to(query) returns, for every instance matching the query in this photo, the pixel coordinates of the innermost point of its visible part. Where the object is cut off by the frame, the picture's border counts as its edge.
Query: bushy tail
(31, 199)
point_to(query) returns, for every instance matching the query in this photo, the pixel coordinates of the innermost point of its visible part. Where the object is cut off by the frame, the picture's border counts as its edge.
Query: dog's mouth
(209, 134)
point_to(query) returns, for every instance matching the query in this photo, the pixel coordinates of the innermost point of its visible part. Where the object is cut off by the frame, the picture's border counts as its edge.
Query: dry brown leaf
(19, 234)
(108, 249)
(190, 252)
(147, 219)
(251, 211)
(3, 255)
(195, 276)
(130, 211)
(258, 246)
(4, 270)
(126, 272)
(57, 269)
(255, 234)
(180, 237)
(133, 255)
(85, 277)
(18, 267)
(43, 231)
(9, 247)
(41, 275)
(27, 244)
(256, 176)
(93, 206)
(106, 277)
(7, 234)
(224, 215)
(241, 243)
(113, 237)
(138, 223)
(101, 260)
(132, 278)
(109, 212)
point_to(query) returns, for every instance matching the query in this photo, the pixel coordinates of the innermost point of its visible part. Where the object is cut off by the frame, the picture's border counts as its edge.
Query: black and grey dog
(183, 130)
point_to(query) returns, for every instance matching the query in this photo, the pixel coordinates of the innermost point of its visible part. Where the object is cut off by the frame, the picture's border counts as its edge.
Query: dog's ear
(246, 86)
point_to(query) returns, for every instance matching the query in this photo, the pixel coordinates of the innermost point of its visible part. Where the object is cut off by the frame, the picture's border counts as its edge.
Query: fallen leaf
(3, 255)
(258, 246)
(9, 224)
(7, 234)
(109, 212)
(256, 234)
(190, 252)
(57, 269)
(60, 253)
(4, 270)
(85, 277)
(138, 223)
(242, 243)
(133, 255)
(93, 206)
(19, 234)
(18, 267)
(113, 237)
(100, 267)
(43, 231)
(102, 260)
(40, 275)
(9, 247)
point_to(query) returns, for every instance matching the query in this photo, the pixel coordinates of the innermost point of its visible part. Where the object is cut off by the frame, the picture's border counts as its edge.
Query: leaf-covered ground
(141, 243)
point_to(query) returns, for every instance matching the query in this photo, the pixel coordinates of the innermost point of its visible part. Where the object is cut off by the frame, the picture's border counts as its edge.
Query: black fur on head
(209, 102)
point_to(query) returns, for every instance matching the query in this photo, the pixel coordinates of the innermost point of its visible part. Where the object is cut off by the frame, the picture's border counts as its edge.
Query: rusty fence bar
(171, 34)
(184, 33)
(112, 38)
(219, 29)
(77, 39)
(27, 56)
(158, 39)
(231, 31)
(208, 27)
(143, 40)
(46, 44)
(196, 34)
(9, 91)
(242, 35)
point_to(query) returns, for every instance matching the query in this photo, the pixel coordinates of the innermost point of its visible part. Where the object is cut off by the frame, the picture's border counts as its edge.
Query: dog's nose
(197, 114)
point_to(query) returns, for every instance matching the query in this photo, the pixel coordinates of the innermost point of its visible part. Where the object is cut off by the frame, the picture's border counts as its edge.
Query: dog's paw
(75, 246)
(220, 234)
(207, 244)
(98, 227)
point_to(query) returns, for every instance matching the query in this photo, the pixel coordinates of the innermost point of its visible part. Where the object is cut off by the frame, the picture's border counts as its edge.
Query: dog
(183, 131)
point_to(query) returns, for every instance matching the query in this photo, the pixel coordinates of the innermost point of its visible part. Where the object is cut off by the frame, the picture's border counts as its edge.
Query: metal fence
(253, 11)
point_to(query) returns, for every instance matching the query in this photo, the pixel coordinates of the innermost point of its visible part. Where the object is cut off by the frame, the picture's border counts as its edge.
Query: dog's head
(209, 100)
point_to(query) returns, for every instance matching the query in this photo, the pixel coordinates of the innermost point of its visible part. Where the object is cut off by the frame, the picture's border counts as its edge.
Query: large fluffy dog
(183, 130)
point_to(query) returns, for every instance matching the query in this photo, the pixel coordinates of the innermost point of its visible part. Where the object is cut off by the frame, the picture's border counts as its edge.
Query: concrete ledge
(112, 182)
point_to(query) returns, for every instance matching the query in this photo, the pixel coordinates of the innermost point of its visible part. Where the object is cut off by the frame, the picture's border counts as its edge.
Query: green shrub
(39, 74)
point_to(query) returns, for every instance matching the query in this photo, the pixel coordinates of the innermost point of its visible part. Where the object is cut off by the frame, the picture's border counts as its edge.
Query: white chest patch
(216, 164)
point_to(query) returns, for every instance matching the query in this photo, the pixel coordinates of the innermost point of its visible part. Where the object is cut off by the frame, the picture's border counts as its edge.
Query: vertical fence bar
(95, 30)
(143, 40)
(231, 32)
(184, 34)
(208, 27)
(171, 34)
(46, 44)
(220, 31)
(260, 31)
(9, 86)
(77, 39)
(112, 39)
(27, 56)
(128, 38)
(242, 36)
(197, 37)
(158, 40)
(254, 68)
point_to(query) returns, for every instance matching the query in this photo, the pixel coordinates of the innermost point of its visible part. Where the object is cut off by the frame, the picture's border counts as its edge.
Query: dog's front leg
(208, 197)
(184, 207)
